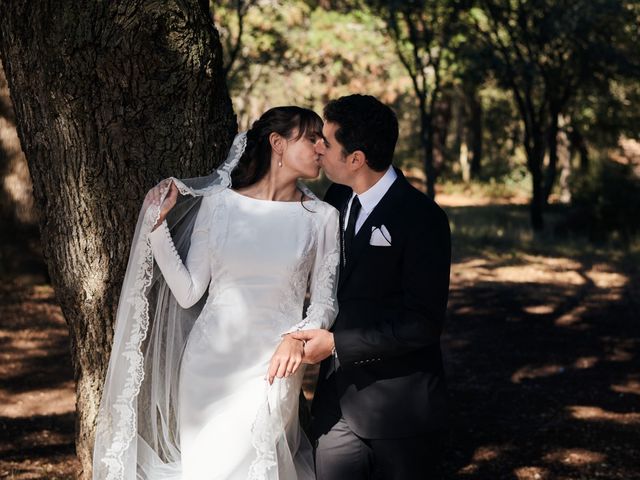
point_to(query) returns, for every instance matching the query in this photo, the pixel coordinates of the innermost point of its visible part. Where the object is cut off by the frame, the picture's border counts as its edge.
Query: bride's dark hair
(256, 159)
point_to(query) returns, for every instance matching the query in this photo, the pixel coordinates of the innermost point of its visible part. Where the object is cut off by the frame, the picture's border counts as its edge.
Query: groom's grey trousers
(342, 455)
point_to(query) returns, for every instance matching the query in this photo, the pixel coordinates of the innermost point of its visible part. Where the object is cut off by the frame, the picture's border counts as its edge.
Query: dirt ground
(541, 349)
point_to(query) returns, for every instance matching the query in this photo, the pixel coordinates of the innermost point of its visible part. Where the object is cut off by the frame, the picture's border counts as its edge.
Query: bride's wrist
(289, 336)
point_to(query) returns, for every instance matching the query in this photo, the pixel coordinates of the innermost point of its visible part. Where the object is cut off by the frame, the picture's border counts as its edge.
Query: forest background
(522, 118)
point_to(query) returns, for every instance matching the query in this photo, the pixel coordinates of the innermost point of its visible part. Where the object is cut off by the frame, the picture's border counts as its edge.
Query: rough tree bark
(109, 98)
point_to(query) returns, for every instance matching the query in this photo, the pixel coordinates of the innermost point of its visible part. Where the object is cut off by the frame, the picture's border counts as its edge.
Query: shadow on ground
(540, 346)
(37, 403)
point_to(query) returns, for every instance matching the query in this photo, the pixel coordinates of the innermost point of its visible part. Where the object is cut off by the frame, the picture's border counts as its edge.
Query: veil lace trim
(122, 414)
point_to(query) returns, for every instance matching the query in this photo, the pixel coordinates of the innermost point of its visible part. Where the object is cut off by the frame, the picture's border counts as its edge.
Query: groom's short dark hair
(366, 124)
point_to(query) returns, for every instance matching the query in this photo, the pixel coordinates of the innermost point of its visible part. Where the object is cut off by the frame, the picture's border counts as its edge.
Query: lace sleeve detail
(323, 307)
(188, 281)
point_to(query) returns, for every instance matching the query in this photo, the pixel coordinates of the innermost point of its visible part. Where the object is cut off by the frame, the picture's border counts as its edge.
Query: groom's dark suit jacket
(388, 378)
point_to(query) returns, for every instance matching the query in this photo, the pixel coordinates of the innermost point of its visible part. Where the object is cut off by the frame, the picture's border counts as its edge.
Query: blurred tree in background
(507, 92)
(545, 52)
(424, 33)
(294, 53)
(503, 96)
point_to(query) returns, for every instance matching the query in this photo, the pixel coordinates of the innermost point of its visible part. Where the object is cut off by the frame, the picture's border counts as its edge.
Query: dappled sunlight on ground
(59, 399)
(542, 352)
(630, 386)
(37, 399)
(531, 473)
(528, 372)
(536, 269)
(487, 453)
(600, 415)
(574, 456)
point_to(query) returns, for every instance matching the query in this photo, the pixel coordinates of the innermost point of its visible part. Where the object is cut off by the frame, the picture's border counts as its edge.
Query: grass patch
(504, 231)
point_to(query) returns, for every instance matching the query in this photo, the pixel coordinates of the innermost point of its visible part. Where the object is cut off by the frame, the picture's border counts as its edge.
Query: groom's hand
(319, 344)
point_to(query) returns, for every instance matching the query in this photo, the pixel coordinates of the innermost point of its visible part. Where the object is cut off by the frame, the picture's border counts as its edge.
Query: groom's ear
(356, 160)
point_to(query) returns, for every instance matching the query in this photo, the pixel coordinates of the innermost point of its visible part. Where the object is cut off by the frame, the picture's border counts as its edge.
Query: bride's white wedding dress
(255, 258)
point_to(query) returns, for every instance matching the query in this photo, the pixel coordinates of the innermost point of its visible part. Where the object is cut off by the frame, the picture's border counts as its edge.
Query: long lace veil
(137, 424)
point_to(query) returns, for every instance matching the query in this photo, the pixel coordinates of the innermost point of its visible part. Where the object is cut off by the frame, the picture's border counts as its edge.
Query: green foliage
(605, 203)
(611, 109)
(298, 53)
(584, 53)
(502, 133)
(514, 185)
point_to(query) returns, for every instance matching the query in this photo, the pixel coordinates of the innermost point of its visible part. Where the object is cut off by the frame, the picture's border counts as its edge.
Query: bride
(204, 380)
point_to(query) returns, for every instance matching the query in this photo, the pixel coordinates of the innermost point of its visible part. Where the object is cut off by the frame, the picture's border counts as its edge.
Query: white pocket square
(380, 237)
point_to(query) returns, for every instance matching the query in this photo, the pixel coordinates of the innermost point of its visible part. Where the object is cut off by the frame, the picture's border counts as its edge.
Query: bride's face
(300, 156)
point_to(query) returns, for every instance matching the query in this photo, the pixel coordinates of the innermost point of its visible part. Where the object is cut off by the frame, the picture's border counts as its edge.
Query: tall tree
(545, 51)
(470, 71)
(423, 32)
(255, 50)
(109, 98)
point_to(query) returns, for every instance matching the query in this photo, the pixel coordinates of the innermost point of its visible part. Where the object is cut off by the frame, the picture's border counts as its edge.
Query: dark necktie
(350, 231)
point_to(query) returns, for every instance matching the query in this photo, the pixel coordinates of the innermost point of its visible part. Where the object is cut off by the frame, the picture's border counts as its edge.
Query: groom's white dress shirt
(370, 198)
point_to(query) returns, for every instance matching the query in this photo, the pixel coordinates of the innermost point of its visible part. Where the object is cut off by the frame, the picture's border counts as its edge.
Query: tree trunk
(578, 143)
(537, 200)
(552, 169)
(475, 127)
(440, 120)
(109, 98)
(535, 148)
(564, 161)
(461, 148)
(463, 156)
(427, 145)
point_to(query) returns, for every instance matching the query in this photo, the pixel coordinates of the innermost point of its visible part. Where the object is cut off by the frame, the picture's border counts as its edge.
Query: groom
(379, 407)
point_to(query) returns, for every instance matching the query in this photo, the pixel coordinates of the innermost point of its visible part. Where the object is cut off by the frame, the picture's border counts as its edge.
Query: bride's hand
(287, 358)
(155, 194)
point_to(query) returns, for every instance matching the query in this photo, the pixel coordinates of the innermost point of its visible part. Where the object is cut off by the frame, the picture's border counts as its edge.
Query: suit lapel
(385, 208)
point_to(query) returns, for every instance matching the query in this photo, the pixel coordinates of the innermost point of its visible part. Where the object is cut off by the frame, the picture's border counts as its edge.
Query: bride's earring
(280, 163)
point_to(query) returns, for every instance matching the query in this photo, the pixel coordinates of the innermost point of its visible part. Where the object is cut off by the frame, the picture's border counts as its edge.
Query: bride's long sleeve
(187, 282)
(323, 306)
